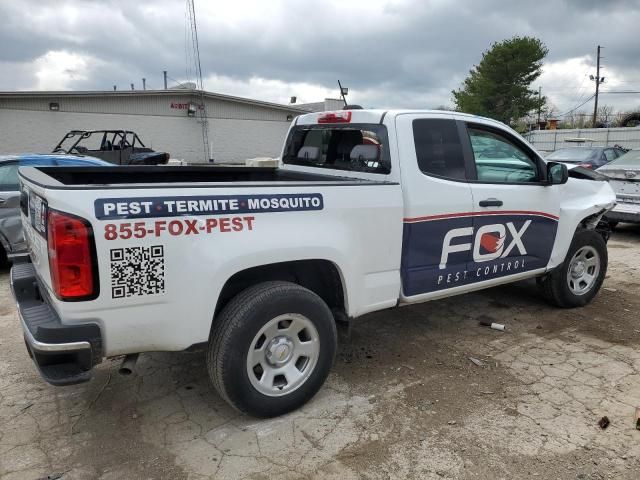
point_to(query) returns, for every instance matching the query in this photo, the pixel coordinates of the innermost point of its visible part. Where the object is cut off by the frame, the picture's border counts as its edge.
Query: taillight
(335, 117)
(71, 257)
(585, 165)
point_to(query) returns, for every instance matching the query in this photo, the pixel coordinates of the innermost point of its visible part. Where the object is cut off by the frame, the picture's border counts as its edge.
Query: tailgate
(34, 207)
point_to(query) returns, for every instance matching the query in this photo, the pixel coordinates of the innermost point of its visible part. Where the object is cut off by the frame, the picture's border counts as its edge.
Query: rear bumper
(63, 354)
(624, 212)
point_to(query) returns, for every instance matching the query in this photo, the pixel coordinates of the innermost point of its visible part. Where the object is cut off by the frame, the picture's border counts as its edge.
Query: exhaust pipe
(128, 364)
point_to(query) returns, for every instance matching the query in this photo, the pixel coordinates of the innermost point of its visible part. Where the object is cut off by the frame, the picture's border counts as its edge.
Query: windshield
(353, 147)
(629, 159)
(574, 154)
(68, 141)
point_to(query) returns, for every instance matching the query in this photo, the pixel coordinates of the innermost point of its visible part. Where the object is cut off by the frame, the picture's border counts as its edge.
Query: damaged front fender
(584, 199)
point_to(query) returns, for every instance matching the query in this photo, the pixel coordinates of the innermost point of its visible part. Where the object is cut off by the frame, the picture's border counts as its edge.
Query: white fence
(550, 140)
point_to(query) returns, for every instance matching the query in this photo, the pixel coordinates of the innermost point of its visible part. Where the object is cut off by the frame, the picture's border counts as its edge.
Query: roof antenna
(343, 91)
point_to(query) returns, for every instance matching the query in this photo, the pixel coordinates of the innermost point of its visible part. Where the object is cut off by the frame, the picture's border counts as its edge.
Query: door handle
(491, 202)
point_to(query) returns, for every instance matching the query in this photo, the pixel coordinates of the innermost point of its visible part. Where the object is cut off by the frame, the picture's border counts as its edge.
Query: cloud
(57, 70)
(390, 53)
(271, 90)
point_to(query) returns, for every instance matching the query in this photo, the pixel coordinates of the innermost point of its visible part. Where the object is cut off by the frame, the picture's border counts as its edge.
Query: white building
(165, 120)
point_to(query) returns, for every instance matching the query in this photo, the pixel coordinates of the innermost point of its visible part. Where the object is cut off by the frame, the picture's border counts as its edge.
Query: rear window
(629, 159)
(353, 147)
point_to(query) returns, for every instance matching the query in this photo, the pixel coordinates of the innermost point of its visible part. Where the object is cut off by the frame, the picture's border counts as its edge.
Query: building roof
(325, 105)
(139, 93)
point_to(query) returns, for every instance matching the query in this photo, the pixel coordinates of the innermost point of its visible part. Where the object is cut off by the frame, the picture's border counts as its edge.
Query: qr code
(137, 271)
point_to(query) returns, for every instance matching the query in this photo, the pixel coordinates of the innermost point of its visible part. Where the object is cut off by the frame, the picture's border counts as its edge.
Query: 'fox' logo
(490, 237)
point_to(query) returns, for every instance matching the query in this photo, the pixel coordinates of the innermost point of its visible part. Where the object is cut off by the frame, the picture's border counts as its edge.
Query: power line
(174, 80)
(575, 108)
(581, 90)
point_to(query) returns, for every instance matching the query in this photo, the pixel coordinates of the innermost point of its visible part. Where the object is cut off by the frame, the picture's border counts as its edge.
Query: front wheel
(579, 278)
(271, 348)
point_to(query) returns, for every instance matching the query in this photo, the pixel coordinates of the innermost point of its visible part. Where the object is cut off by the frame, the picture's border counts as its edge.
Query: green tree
(499, 86)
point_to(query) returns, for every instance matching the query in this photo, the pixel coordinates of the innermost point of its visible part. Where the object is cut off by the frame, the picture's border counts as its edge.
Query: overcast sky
(390, 53)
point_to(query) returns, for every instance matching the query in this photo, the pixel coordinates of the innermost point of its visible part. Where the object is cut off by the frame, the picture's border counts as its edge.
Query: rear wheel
(579, 278)
(271, 348)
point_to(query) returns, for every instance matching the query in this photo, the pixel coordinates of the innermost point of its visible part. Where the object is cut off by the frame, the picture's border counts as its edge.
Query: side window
(9, 178)
(92, 142)
(438, 148)
(610, 154)
(500, 161)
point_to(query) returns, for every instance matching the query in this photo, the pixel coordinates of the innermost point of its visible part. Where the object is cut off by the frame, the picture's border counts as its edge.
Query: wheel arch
(321, 276)
(571, 223)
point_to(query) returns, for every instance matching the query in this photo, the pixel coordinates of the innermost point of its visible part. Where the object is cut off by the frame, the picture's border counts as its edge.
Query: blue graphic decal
(150, 207)
(450, 252)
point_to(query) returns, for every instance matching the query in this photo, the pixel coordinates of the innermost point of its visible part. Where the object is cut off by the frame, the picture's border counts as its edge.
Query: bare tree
(550, 111)
(605, 115)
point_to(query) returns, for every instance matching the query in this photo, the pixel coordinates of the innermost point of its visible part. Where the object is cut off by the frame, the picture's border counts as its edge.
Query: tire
(287, 366)
(577, 281)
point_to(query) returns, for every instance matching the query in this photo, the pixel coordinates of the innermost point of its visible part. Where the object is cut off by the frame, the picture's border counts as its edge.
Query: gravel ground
(404, 400)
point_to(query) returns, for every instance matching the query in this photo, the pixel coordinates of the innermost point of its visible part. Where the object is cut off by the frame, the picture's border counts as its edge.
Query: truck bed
(176, 176)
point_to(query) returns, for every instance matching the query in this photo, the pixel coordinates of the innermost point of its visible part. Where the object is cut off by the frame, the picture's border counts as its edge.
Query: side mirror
(557, 173)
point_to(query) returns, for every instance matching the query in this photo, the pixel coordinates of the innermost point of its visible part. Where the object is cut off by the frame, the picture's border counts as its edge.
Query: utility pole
(539, 104)
(598, 79)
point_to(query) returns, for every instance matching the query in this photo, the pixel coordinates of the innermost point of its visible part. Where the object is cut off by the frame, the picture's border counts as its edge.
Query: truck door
(515, 214)
(438, 205)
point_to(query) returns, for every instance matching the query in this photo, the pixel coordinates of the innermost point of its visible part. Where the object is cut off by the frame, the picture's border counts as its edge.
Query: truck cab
(480, 206)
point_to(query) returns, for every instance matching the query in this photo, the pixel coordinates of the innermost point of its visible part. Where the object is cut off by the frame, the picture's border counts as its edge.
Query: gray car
(12, 241)
(624, 177)
(587, 157)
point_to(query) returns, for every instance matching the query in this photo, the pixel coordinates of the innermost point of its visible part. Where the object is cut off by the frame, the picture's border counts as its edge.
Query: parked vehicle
(587, 157)
(624, 174)
(12, 241)
(372, 209)
(121, 147)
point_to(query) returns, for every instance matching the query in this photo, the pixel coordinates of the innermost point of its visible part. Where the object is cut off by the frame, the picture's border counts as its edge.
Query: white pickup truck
(371, 210)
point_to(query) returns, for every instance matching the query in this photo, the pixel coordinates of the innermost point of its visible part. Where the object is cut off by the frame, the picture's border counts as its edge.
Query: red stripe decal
(472, 214)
